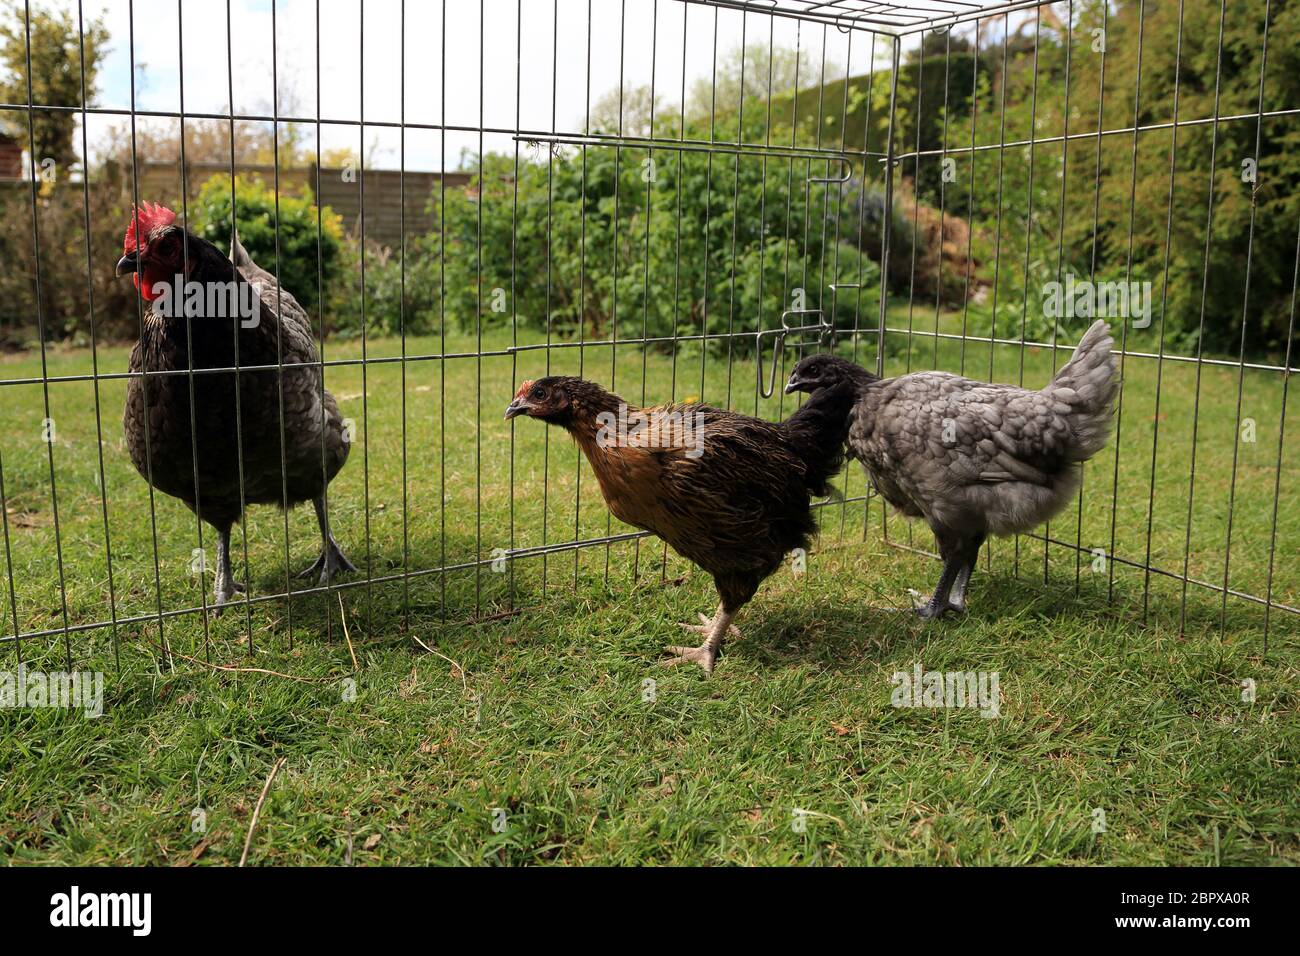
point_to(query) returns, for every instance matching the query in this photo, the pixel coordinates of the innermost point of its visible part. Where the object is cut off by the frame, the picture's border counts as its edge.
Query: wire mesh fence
(674, 198)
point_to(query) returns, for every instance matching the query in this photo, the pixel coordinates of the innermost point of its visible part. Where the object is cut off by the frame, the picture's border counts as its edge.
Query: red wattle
(146, 288)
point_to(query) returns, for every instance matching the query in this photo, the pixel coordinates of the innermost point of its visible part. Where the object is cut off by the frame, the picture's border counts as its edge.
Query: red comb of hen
(523, 389)
(148, 217)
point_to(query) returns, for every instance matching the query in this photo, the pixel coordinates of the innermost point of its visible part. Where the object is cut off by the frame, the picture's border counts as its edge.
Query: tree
(58, 53)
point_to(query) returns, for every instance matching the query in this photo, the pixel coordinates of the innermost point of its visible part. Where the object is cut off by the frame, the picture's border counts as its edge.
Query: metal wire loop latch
(848, 173)
(824, 329)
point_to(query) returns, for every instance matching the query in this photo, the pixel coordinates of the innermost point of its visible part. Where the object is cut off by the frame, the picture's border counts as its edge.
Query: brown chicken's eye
(537, 394)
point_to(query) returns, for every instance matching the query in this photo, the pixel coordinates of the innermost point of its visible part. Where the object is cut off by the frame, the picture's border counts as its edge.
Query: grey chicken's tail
(239, 255)
(1084, 389)
(818, 430)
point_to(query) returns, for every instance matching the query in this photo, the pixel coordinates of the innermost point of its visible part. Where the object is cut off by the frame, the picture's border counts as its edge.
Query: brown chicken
(729, 492)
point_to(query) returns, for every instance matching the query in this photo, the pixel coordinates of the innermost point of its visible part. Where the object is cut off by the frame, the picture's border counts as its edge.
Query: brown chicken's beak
(127, 264)
(515, 408)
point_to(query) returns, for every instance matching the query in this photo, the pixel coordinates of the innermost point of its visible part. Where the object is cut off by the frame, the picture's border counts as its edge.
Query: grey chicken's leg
(950, 593)
(957, 597)
(226, 585)
(332, 560)
(707, 653)
(939, 604)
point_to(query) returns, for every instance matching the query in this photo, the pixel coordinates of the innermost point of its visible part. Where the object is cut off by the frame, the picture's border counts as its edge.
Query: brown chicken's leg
(332, 560)
(707, 653)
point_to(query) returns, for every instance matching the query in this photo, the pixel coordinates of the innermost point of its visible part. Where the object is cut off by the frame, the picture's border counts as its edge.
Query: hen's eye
(537, 393)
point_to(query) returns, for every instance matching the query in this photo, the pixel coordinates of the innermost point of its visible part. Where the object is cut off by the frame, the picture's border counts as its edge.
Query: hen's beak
(127, 264)
(518, 407)
(793, 384)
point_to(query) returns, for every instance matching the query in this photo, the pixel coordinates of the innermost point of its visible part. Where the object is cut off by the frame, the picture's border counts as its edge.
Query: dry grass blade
(257, 810)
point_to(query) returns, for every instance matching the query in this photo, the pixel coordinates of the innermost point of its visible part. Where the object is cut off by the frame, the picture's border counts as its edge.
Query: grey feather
(974, 458)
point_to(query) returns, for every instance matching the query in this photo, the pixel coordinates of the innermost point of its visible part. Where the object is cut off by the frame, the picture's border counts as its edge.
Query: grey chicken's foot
(707, 653)
(928, 610)
(956, 570)
(956, 574)
(332, 560)
(225, 594)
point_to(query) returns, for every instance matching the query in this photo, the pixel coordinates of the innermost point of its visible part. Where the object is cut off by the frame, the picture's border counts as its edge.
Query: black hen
(727, 491)
(225, 303)
(970, 458)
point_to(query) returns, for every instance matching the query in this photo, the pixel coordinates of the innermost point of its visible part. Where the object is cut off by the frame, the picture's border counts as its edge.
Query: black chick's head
(823, 371)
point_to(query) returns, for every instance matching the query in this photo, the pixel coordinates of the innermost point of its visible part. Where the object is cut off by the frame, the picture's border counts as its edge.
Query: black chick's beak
(515, 408)
(127, 264)
(794, 383)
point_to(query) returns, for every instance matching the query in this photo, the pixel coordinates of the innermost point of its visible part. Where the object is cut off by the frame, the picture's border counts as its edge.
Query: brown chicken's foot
(704, 655)
(705, 623)
(707, 653)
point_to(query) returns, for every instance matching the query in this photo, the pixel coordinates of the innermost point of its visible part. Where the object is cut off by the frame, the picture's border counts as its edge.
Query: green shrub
(608, 243)
(386, 310)
(303, 247)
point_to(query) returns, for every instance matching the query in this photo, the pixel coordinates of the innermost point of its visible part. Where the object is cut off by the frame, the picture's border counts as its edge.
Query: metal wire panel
(883, 16)
(805, 185)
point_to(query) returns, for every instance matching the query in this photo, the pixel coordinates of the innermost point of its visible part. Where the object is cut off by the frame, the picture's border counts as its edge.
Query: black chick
(725, 490)
(226, 300)
(974, 459)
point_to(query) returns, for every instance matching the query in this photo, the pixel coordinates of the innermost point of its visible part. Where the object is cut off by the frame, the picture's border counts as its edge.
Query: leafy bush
(302, 246)
(619, 242)
(68, 282)
(386, 311)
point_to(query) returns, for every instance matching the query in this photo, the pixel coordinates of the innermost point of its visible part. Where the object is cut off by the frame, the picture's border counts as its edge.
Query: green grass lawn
(542, 722)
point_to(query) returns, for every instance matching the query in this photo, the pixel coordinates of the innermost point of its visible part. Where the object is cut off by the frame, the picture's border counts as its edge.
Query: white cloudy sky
(160, 44)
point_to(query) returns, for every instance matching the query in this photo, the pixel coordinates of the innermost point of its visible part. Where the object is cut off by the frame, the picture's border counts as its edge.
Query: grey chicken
(226, 299)
(974, 459)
